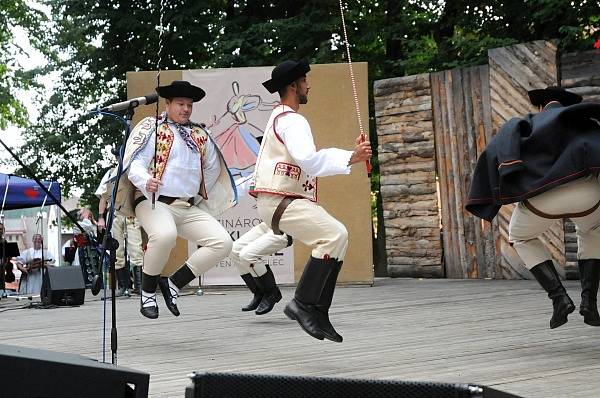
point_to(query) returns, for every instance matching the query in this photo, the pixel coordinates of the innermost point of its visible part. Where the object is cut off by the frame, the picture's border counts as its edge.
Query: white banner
(236, 110)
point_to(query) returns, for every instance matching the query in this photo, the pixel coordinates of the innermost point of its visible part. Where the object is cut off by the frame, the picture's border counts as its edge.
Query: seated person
(30, 263)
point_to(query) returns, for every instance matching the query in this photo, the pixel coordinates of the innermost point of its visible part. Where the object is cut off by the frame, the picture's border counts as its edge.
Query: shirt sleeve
(101, 190)
(138, 170)
(243, 185)
(212, 165)
(295, 132)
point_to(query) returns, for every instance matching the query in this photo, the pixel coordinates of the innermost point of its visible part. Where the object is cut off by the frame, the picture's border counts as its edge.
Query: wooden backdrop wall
(462, 126)
(457, 112)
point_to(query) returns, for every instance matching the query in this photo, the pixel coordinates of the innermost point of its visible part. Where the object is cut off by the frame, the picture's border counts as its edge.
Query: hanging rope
(160, 48)
(4, 199)
(353, 81)
(42, 207)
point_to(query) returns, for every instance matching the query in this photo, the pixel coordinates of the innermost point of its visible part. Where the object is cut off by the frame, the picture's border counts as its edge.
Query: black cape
(533, 154)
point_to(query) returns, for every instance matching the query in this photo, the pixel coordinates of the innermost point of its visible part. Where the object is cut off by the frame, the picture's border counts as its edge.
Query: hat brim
(543, 96)
(275, 84)
(193, 92)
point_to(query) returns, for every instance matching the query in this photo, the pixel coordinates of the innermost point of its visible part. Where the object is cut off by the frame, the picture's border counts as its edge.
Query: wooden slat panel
(513, 71)
(580, 73)
(461, 105)
(492, 333)
(408, 182)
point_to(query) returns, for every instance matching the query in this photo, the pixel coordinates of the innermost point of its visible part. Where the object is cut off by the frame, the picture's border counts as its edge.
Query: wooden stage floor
(492, 333)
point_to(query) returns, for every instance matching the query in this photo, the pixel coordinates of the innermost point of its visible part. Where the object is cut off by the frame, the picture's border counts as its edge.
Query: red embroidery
(287, 170)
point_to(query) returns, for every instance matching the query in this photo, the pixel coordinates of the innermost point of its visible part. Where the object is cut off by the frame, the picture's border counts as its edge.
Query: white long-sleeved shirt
(295, 132)
(183, 174)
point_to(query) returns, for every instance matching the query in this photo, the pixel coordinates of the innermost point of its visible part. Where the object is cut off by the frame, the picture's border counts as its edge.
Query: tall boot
(255, 289)
(148, 304)
(589, 275)
(272, 294)
(302, 307)
(325, 302)
(122, 276)
(170, 286)
(548, 278)
(137, 279)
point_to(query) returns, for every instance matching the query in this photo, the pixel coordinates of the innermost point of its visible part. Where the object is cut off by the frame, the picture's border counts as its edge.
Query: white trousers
(309, 223)
(250, 248)
(134, 240)
(166, 222)
(576, 196)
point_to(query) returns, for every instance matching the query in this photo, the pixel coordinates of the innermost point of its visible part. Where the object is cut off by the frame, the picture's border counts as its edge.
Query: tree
(99, 41)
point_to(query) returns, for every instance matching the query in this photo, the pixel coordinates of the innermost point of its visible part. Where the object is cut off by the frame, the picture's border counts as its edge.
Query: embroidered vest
(222, 195)
(164, 143)
(276, 172)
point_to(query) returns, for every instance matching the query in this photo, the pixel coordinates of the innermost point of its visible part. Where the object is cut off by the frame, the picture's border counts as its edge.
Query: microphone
(132, 103)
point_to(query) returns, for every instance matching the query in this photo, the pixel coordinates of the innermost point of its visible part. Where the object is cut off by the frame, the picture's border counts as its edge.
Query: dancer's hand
(153, 184)
(362, 151)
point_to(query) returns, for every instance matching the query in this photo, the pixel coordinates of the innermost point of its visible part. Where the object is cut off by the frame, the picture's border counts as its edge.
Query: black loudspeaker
(47, 374)
(230, 385)
(63, 286)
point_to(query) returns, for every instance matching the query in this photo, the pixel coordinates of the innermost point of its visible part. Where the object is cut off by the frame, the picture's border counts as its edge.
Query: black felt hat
(181, 88)
(553, 93)
(285, 73)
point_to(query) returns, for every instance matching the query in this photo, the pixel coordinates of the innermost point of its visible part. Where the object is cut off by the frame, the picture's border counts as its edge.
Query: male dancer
(286, 187)
(192, 184)
(247, 255)
(126, 230)
(548, 162)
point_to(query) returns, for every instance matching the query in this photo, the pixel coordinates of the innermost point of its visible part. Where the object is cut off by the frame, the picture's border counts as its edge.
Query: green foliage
(96, 42)
(16, 14)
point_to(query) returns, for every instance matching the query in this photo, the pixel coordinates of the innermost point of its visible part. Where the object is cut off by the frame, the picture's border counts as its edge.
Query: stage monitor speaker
(63, 286)
(29, 372)
(231, 385)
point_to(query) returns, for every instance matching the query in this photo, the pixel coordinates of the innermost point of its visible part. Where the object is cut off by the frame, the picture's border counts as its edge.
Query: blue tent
(24, 192)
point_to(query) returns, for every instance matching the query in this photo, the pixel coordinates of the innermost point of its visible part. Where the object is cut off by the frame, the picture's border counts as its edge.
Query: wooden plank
(408, 183)
(443, 163)
(452, 331)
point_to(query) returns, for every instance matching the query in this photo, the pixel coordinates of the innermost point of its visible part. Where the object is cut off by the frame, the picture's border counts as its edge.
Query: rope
(4, 199)
(353, 81)
(160, 48)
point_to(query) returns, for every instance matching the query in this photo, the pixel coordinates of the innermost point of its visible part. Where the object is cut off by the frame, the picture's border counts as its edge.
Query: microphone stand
(108, 242)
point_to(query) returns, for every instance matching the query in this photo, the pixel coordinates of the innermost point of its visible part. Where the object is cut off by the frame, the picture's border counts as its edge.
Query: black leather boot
(272, 294)
(589, 275)
(302, 307)
(324, 303)
(149, 283)
(180, 279)
(137, 279)
(548, 278)
(122, 276)
(255, 289)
